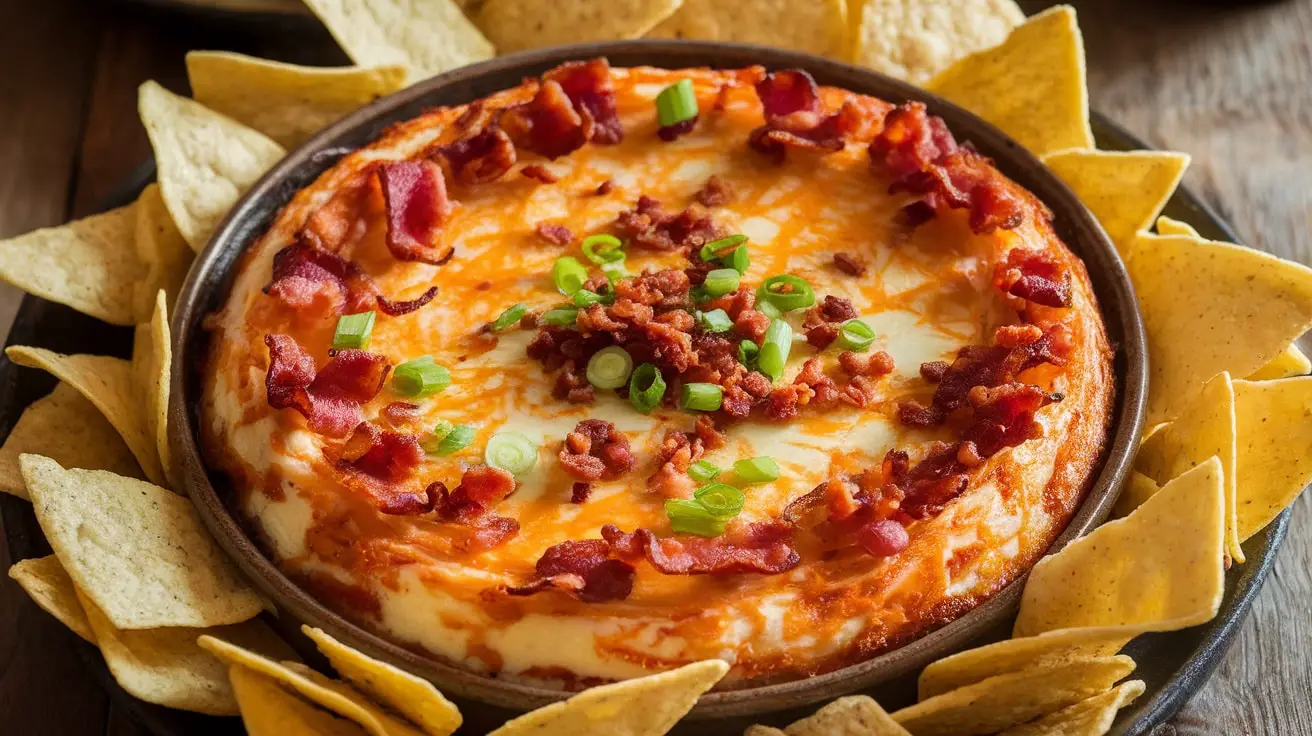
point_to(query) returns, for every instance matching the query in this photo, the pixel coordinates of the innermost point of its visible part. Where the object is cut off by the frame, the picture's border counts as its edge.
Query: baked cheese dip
(623, 369)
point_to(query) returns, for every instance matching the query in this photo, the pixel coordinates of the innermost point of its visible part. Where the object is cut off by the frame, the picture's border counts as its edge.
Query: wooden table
(1229, 83)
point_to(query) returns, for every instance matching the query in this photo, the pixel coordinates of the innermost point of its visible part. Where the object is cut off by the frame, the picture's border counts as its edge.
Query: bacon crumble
(595, 450)
(329, 398)
(417, 205)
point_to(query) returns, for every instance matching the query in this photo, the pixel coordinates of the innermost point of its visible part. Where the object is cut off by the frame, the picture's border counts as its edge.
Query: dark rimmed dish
(208, 284)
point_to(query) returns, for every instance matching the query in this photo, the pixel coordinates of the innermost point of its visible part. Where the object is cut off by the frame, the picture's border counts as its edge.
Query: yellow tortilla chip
(1288, 364)
(47, 583)
(1211, 307)
(137, 550)
(1032, 86)
(914, 39)
(1012, 655)
(205, 160)
(325, 692)
(162, 249)
(816, 26)
(268, 710)
(1205, 429)
(647, 706)
(1169, 226)
(152, 358)
(286, 102)
(1159, 569)
(69, 429)
(1008, 700)
(426, 38)
(88, 264)
(1273, 420)
(414, 697)
(515, 25)
(110, 384)
(1124, 189)
(1138, 488)
(1091, 717)
(854, 715)
(759, 730)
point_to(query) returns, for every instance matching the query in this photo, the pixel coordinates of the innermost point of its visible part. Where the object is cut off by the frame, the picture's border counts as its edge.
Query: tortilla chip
(1211, 307)
(1091, 717)
(1138, 488)
(162, 249)
(110, 384)
(1159, 569)
(1008, 700)
(152, 358)
(268, 710)
(1273, 420)
(426, 38)
(69, 429)
(647, 706)
(1124, 189)
(1032, 86)
(817, 26)
(914, 40)
(1012, 655)
(205, 160)
(854, 715)
(137, 550)
(412, 696)
(759, 730)
(1168, 226)
(1288, 364)
(88, 264)
(286, 102)
(325, 692)
(47, 583)
(515, 25)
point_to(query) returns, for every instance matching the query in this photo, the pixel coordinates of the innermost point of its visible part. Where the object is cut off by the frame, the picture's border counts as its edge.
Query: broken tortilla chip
(1012, 655)
(1159, 569)
(854, 714)
(205, 160)
(1210, 307)
(137, 550)
(818, 27)
(914, 40)
(152, 358)
(1169, 226)
(162, 249)
(1273, 421)
(515, 25)
(47, 583)
(426, 38)
(268, 710)
(1292, 362)
(1125, 190)
(646, 706)
(1091, 717)
(1032, 86)
(1138, 488)
(412, 696)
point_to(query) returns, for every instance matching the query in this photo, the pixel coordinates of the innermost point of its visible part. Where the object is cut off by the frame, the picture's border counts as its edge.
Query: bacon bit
(489, 530)
(396, 309)
(837, 309)
(706, 431)
(883, 538)
(668, 288)
(588, 86)
(329, 399)
(1004, 416)
(379, 463)
(584, 568)
(752, 325)
(912, 413)
(822, 335)
(604, 188)
(757, 548)
(677, 453)
(399, 414)
(484, 156)
(671, 133)
(554, 233)
(305, 276)
(933, 371)
(795, 117)
(716, 192)
(341, 218)
(417, 205)
(932, 483)
(580, 492)
(849, 264)
(649, 226)
(595, 450)
(541, 173)
(874, 365)
(486, 530)
(548, 125)
(804, 504)
(485, 485)
(1034, 276)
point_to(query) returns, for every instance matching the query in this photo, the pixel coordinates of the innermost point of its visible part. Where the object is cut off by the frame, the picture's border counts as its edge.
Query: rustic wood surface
(1229, 82)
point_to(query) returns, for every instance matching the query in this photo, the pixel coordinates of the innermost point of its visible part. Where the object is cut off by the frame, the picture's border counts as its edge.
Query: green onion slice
(615, 271)
(561, 316)
(774, 350)
(786, 291)
(747, 352)
(691, 517)
(717, 249)
(610, 367)
(700, 397)
(769, 310)
(603, 248)
(420, 377)
(716, 320)
(856, 335)
(584, 298)
(353, 331)
(448, 438)
(509, 317)
(676, 103)
(756, 470)
(703, 471)
(721, 499)
(721, 281)
(512, 452)
(568, 274)
(646, 388)
(739, 260)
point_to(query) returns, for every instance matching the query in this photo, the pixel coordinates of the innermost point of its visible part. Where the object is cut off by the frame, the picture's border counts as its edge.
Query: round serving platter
(1173, 665)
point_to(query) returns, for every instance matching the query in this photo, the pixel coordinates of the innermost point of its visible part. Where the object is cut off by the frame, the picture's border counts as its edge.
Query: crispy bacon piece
(756, 548)
(883, 538)
(588, 86)
(849, 264)
(306, 277)
(548, 125)
(931, 483)
(484, 530)
(1034, 276)
(329, 398)
(485, 155)
(582, 567)
(379, 463)
(399, 414)
(396, 309)
(716, 192)
(579, 492)
(671, 133)
(341, 218)
(795, 117)
(417, 205)
(540, 173)
(595, 450)
(554, 233)
(650, 226)
(1004, 416)
(485, 485)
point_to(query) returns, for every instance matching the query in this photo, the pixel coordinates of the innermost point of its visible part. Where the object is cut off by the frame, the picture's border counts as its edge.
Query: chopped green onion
(615, 271)
(610, 367)
(747, 352)
(561, 316)
(756, 470)
(717, 249)
(856, 335)
(721, 499)
(700, 397)
(716, 320)
(774, 351)
(509, 317)
(568, 274)
(512, 452)
(603, 248)
(721, 281)
(691, 517)
(739, 260)
(769, 310)
(447, 438)
(353, 331)
(646, 388)
(676, 103)
(702, 471)
(584, 298)
(420, 377)
(786, 291)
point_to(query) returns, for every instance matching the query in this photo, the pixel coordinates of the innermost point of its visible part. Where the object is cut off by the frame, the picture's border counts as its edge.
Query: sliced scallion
(716, 320)
(512, 452)
(739, 260)
(700, 397)
(691, 517)
(448, 438)
(721, 281)
(603, 248)
(856, 335)
(717, 249)
(703, 471)
(646, 388)
(568, 274)
(769, 310)
(584, 298)
(353, 331)
(786, 291)
(509, 317)
(420, 377)
(756, 470)
(561, 316)
(610, 367)
(676, 103)
(747, 352)
(721, 499)
(775, 349)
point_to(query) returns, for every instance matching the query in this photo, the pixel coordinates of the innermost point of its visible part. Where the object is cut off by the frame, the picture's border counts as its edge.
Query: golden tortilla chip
(647, 706)
(1159, 569)
(1211, 307)
(1169, 226)
(1012, 655)
(69, 429)
(205, 160)
(162, 249)
(88, 264)
(1273, 420)
(515, 25)
(759, 730)
(110, 384)
(152, 358)
(286, 102)
(414, 697)
(854, 715)
(325, 692)
(816, 26)
(1008, 700)
(1032, 86)
(426, 38)
(1138, 488)
(268, 710)
(914, 39)
(1124, 189)
(47, 583)
(1288, 364)
(137, 550)
(1091, 717)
